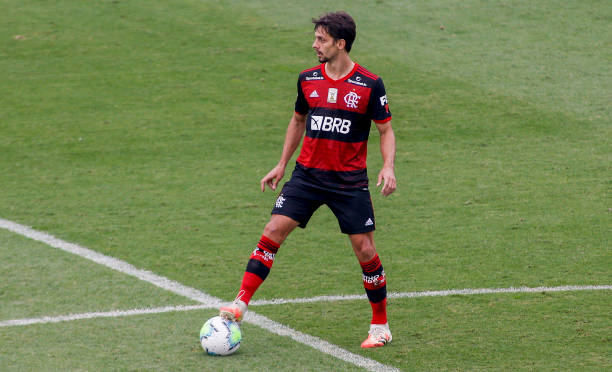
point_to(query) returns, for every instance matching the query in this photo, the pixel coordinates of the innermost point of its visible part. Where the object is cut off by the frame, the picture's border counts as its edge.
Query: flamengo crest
(352, 100)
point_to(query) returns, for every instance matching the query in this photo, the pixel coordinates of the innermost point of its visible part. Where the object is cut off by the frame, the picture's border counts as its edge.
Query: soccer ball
(220, 336)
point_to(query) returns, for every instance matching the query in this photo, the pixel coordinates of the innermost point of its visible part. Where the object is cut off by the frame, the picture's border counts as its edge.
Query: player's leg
(356, 218)
(259, 264)
(375, 284)
(293, 207)
(262, 258)
(279, 227)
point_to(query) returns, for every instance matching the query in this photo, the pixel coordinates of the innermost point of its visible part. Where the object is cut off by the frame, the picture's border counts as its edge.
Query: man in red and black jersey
(336, 103)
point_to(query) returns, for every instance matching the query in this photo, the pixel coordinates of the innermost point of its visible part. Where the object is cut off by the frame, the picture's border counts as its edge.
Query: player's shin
(375, 284)
(258, 268)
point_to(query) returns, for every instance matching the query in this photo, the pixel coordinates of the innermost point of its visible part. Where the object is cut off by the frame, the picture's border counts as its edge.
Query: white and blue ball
(220, 336)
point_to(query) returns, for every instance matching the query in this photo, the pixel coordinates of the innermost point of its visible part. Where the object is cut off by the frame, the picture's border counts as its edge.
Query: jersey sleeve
(378, 105)
(301, 105)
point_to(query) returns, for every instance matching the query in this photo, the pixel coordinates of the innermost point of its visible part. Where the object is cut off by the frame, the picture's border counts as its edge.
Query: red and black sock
(258, 268)
(375, 284)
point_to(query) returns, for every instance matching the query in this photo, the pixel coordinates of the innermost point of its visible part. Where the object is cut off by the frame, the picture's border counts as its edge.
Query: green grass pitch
(140, 129)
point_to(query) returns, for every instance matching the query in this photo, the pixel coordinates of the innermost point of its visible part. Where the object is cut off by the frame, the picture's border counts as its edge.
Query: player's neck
(339, 67)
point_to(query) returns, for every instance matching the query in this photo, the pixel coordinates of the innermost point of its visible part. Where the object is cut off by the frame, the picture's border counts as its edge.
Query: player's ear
(341, 43)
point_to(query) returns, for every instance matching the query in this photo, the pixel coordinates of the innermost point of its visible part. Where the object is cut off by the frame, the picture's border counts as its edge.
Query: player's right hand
(272, 178)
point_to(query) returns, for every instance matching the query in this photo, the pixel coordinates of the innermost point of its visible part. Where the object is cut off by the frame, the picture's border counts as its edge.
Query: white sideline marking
(194, 294)
(280, 301)
(106, 314)
(448, 292)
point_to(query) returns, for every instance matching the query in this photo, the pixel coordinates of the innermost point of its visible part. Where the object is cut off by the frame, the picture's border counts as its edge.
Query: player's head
(339, 27)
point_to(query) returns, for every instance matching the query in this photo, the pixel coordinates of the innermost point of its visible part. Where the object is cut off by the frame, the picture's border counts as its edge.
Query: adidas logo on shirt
(314, 94)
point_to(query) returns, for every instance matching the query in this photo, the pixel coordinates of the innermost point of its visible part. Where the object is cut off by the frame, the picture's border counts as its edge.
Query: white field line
(167, 309)
(194, 294)
(448, 292)
(106, 314)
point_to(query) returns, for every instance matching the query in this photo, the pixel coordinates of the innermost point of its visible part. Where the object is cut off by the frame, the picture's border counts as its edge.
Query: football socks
(375, 284)
(258, 268)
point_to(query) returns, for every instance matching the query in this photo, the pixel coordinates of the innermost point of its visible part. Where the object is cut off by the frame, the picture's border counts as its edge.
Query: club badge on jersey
(352, 100)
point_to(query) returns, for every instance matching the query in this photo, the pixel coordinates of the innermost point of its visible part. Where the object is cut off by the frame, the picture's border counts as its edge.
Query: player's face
(325, 45)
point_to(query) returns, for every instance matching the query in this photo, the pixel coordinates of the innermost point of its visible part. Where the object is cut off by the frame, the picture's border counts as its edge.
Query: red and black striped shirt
(340, 112)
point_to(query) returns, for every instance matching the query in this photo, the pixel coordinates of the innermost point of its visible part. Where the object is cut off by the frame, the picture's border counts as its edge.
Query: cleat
(234, 311)
(379, 335)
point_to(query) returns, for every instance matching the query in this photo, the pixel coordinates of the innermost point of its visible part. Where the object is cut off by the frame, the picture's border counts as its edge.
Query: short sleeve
(301, 105)
(378, 105)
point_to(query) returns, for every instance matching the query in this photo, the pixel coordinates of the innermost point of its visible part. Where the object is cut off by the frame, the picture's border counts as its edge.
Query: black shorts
(352, 207)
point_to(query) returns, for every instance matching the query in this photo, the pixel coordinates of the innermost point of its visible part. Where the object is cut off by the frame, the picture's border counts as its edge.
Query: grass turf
(141, 129)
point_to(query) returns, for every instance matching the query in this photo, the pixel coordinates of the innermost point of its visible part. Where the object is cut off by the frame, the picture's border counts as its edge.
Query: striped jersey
(339, 115)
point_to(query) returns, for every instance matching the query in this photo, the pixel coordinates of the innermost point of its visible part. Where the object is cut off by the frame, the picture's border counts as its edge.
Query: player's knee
(366, 252)
(275, 231)
(364, 247)
(270, 229)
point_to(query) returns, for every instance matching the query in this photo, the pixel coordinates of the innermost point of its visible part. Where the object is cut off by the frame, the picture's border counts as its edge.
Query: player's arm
(386, 177)
(293, 137)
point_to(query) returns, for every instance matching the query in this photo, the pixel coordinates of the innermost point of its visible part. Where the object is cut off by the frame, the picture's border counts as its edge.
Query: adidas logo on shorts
(369, 222)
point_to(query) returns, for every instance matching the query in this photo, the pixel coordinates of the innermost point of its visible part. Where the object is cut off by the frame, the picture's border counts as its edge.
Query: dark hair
(340, 25)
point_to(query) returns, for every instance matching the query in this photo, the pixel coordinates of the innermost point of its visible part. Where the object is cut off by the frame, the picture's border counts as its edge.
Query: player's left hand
(386, 177)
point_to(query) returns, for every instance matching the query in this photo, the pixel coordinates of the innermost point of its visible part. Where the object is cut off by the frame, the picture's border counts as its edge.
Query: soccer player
(336, 102)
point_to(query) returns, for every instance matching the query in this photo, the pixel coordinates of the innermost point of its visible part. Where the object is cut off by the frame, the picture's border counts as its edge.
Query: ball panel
(219, 336)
